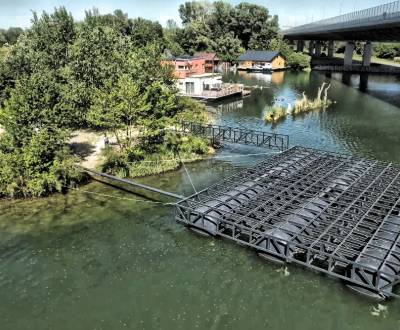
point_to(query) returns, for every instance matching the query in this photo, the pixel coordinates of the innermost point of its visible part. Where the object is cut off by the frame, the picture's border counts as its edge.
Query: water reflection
(384, 87)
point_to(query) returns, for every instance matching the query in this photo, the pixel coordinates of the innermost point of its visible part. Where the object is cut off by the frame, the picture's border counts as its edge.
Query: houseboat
(195, 82)
(261, 61)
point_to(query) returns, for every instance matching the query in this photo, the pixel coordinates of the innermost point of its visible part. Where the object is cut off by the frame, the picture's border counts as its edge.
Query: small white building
(207, 86)
(198, 83)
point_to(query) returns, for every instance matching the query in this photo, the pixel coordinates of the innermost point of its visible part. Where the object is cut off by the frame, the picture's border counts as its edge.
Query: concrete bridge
(380, 23)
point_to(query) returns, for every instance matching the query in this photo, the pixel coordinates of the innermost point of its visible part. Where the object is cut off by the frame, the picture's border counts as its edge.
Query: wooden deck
(218, 94)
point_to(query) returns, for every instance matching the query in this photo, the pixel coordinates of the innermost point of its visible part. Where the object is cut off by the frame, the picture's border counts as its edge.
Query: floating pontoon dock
(333, 213)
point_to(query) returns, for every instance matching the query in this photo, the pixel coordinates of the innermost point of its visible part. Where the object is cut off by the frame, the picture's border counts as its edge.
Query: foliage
(275, 114)
(320, 102)
(119, 109)
(10, 36)
(137, 162)
(387, 50)
(190, 110)
(225, 29)
(293, 59)
(298, 61)
(146, 32)
(42, 165)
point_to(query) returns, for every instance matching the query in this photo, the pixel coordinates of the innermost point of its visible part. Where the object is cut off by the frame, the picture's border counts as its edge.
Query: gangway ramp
(338, 214)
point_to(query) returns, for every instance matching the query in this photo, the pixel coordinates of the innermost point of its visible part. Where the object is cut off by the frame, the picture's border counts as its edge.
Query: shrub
(298, 61)
(36, 169)
(386, 50)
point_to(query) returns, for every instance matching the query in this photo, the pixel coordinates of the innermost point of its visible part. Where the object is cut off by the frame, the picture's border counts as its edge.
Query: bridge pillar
(348, 53)
(318, 48)
(331, 48)
(300, 45)
(367, 54)
(311, 47)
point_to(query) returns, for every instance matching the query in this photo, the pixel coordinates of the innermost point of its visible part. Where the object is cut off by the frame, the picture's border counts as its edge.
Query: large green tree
(245, 26)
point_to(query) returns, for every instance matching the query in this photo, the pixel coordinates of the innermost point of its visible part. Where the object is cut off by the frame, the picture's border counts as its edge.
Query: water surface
(98, 258)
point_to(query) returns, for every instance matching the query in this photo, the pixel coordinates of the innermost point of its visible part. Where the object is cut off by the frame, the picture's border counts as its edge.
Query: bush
(298, 61)
(191, 110)
(36, 169)
(138, 161)
(386, 50)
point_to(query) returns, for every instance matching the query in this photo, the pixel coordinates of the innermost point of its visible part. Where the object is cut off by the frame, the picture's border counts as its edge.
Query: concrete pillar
(331, 48)
(311, 46)
(318, 48)
(363, 82)
(367, 54)
(300, 45)
(348, 53)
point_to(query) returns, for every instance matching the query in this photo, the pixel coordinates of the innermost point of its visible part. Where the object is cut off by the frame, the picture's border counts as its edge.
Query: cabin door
(189, 87)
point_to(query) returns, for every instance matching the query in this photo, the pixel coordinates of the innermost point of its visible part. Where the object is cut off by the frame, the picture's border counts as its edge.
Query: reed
(319, 103)
(275, 114)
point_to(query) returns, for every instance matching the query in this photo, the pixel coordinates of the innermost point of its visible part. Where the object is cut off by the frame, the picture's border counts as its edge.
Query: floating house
(261, 61)
(195, 82)
(186, 65)
(211, 61)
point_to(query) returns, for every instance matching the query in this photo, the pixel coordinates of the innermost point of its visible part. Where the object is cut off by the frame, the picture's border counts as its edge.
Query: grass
(320, 102)
(138, 162)
(374, 59)
(275, 114)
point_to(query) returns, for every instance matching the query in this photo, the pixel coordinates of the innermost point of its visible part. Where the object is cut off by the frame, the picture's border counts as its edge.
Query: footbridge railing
(235, 135)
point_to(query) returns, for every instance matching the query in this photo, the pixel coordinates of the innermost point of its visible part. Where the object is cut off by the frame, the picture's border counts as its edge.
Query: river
(100, 258)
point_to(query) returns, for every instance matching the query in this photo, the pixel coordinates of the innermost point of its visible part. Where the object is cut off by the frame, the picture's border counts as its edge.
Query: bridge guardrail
(378, 13)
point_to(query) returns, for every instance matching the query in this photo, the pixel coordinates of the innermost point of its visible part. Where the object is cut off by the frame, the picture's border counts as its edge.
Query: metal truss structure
(333, 213)
(235, 135)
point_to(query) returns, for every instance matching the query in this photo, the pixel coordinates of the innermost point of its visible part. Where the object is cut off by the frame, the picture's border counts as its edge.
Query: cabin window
(189, 87)
(182, 67)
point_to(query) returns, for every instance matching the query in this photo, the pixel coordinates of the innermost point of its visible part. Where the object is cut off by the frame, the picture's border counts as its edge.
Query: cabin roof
(259, 55)
(184, 58)
(207, 56)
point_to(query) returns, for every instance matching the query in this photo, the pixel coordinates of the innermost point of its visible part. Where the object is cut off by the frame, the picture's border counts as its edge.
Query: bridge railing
(379, 13)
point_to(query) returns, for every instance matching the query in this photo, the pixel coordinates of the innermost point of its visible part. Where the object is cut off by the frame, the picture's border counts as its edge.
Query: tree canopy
(225, 29)
(60, 75)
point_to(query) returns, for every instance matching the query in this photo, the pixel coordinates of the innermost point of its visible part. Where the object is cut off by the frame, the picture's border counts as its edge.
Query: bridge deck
(334, 213)
(235, 135)
(380, 23)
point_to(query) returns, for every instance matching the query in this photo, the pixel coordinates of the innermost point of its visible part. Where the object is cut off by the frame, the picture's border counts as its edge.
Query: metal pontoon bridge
(333, 213)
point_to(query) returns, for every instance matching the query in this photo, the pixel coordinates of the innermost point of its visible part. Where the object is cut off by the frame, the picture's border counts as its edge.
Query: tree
(119, 108)
(10, 35)
(194, 11)
(386, 50)
(206, 24)
(229, 47)
(51, 36)
(146, 32)
(298, 61)
(251, 22)
(3, 39)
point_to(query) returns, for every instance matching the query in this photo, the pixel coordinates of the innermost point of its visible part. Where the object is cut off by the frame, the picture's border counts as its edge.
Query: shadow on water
(383, 87)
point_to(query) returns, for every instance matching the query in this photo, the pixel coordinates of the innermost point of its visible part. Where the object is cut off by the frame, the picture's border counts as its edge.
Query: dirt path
(88, 145)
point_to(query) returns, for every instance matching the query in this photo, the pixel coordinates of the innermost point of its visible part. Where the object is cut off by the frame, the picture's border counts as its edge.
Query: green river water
(101, 258)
